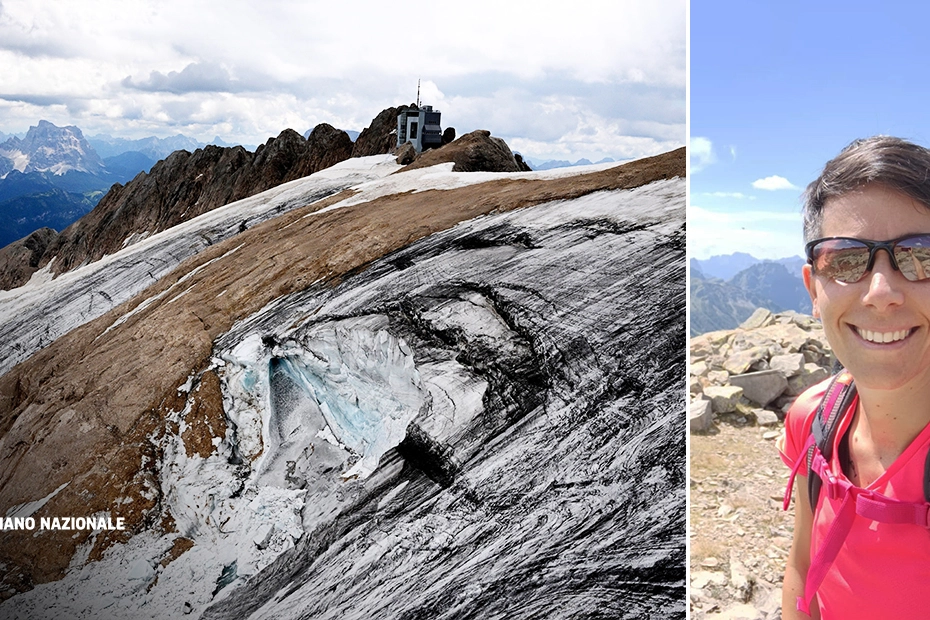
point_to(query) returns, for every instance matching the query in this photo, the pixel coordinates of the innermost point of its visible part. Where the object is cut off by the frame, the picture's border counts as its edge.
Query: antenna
(418, 92)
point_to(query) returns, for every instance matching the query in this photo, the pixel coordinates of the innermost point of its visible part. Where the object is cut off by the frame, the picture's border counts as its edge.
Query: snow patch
(29, 508)
(135, 238)
(41, 276)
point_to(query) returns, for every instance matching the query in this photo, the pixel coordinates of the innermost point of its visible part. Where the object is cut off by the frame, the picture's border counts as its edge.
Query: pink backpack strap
(855, 501)
(786, 500)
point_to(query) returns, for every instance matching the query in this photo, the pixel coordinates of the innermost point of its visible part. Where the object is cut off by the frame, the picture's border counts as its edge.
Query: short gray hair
(893, 162)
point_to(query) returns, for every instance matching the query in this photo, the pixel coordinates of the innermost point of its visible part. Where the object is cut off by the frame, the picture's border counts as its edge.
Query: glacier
(487, 423)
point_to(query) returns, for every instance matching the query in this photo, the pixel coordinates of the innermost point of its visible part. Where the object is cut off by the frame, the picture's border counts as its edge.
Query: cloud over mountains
(555, 84)
(197, 77)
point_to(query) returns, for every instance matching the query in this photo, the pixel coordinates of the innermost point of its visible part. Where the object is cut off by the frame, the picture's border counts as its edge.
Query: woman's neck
(886, 423)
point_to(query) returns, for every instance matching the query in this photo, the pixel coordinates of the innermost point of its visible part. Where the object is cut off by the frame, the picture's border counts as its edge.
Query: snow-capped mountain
(395, 393)
(48, 148)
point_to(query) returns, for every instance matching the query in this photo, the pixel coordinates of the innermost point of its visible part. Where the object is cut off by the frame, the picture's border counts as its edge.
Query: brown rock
(406, 154)
(380, 137)
(326, 146)
(20, 259)
(206, 419)
(473, 152)
(178, 548)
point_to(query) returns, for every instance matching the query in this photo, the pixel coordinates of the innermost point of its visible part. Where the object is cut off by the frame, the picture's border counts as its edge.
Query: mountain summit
(49, 148)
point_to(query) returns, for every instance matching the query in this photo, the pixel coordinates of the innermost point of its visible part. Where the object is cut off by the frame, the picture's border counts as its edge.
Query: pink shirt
(882, 569)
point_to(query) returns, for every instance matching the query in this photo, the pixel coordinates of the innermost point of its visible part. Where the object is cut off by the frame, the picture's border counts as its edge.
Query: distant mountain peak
(49, 148)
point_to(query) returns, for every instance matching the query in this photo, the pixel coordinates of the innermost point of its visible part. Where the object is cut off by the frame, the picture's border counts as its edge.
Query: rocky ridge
(741, 383)
(472, 152)
(380, 136)
(178, 189)
(185, 185)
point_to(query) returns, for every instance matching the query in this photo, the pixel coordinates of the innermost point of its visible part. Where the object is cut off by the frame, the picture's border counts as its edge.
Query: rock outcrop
(20, 259)
(757, 370)
(406, 154)
(473, 152)
(380, 137)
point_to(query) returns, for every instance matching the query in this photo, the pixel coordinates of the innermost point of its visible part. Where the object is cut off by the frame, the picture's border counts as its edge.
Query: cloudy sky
(604, 78)
(779, 88)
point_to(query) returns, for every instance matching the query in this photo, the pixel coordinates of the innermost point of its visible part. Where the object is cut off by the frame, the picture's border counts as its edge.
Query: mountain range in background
(51, 176)
(727, 289)
(560, 163)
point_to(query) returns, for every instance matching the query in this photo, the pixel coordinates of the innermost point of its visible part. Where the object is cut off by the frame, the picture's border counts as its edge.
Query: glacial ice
(315, 409)
(355, 374)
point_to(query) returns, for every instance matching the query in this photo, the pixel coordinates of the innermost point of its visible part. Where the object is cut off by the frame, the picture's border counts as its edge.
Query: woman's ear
(807, 276)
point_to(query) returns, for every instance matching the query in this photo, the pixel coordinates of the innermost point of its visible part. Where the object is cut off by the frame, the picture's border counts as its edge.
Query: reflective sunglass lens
(913, 257)
(844, 260)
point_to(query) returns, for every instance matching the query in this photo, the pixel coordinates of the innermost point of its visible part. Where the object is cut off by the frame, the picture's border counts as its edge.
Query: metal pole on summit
(418, 92)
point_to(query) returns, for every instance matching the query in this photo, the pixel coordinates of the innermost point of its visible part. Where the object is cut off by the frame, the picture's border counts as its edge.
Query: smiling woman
(857, 550)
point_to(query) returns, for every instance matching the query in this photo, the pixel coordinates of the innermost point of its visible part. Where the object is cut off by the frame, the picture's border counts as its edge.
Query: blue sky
(777, 89)
(602, 78)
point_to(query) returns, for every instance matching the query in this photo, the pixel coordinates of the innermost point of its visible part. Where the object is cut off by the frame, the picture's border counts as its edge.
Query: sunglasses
(846, 259)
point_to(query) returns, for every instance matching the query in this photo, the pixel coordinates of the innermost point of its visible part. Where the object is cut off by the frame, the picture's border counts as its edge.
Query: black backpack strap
(839, 396)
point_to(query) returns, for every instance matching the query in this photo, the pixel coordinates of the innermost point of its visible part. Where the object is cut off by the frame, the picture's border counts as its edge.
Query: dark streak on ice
(566, 497)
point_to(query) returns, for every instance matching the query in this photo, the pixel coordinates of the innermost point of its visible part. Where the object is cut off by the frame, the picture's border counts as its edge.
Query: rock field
(741, 383)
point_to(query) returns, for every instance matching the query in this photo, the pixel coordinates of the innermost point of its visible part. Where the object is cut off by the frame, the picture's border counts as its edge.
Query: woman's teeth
(882, 337)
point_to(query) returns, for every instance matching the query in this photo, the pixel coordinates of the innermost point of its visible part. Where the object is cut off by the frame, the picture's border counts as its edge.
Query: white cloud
(736, 195)
(701, 153)
(773, 183)
(482, 63)
(764, 234)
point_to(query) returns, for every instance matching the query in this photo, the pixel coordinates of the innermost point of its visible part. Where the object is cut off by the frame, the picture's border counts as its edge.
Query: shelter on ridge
(419, 125)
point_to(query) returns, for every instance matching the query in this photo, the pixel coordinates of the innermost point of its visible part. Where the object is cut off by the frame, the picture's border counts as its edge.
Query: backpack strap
(839, 396)
(836, 400)
(854, 501)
